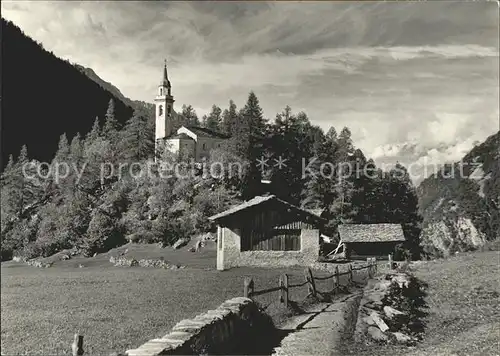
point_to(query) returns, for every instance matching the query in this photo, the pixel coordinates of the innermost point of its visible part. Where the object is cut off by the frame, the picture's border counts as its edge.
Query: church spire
(165, 80)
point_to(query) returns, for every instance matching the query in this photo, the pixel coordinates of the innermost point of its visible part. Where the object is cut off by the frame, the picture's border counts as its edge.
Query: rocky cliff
(460, 204)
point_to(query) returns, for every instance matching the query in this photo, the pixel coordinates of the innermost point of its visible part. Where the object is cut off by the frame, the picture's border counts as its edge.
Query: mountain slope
(136, 104)
(44, 97)
(89, 72)
(461, 203)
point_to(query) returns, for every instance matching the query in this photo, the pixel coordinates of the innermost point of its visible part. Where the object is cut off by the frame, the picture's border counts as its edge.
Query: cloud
(406, 77)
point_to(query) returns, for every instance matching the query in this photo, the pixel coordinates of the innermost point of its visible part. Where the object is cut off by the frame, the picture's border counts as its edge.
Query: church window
(160, 110)
(169, 110)
(204, 146)
(161, 91)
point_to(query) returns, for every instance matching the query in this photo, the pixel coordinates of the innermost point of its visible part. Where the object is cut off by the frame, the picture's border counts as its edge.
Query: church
(188, 141)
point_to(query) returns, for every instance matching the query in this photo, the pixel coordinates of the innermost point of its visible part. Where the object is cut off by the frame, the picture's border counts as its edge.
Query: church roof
(180, 136)
(204, 132)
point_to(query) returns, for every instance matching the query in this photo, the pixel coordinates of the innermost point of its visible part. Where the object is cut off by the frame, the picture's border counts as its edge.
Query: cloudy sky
(414, 81)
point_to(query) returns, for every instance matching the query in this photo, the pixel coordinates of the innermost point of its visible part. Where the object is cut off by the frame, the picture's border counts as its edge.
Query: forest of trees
(41, 215)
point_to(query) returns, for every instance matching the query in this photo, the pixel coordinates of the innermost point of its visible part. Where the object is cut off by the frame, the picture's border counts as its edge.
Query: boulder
(403, 338)
(382, 286)
(369, 320)
(180, 243)
(376, 334)
(392, 313)
(378, 320)
(395, 318)
(402, 279)
(65, 257)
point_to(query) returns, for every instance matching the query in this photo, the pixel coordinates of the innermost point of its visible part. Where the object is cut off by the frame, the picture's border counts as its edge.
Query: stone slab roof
(371, 232)
(204, 132)
(181, 136)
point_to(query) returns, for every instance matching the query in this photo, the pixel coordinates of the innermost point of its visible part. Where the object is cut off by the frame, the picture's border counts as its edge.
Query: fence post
(248, 286)
(310, 280)
(77, 346)
(350, 273)
(284, 289)
(390, 261)
(369, 266)
(337, 277)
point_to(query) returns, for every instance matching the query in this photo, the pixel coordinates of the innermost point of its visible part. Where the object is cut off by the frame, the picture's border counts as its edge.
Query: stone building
(267, 231)
(187, 141)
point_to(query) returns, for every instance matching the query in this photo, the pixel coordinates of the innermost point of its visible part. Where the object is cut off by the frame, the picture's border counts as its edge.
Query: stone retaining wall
(132, 262)
(219, 331)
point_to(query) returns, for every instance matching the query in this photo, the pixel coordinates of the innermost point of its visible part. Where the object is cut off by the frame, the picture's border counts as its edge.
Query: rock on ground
(376, 334)
(180, 243)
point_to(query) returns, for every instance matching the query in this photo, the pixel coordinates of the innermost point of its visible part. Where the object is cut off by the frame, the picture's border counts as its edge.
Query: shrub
(401, 253)
(411, 301)
(102, 235)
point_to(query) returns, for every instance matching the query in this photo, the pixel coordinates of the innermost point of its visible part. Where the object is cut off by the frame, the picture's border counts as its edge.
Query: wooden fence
(309, 280)
(284, 288)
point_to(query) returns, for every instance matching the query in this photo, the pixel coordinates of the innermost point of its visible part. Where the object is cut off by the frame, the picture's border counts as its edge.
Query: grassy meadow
(117, 308)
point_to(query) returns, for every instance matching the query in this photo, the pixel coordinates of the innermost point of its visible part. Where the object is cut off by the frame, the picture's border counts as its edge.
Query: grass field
(117, 308)
(464, 309)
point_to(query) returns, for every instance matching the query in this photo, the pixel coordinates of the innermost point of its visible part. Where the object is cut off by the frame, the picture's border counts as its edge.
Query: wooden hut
(366, 240)
(267, 231)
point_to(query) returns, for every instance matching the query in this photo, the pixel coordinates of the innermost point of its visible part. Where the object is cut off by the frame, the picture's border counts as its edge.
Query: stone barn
(267, 231)
(368, 240)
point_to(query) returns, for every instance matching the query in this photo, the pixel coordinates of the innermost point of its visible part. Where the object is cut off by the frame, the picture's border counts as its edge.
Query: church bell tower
(164, 102)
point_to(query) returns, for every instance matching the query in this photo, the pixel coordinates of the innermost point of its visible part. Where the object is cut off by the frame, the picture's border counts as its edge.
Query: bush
(401, 253)
(102, 235)
(146, 237)
(7, 253)
(168, 231)
(411, 301)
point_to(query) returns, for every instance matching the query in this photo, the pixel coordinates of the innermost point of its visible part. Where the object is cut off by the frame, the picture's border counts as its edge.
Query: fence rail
(284, 287)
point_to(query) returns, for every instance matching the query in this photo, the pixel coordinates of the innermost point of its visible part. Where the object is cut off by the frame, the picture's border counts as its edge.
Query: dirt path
(321, 330)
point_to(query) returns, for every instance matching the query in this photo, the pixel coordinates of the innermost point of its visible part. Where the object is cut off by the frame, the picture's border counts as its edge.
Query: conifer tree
(94, 133)
(76, 149)
(289, 142)
(252, 113)
(204, 121)
(189, 116)
(229, 118)
(111, 126)
(214, 119)
(321, 187)
(138, 138)
(63, 149)
(20, 185)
